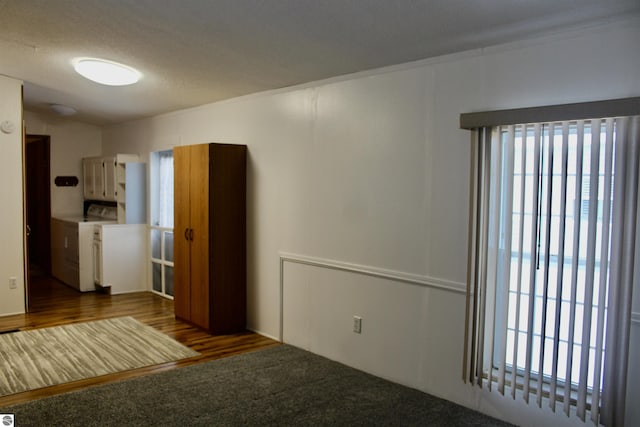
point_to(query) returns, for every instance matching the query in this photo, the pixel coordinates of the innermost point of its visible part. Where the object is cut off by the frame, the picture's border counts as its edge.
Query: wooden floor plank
(53, 304)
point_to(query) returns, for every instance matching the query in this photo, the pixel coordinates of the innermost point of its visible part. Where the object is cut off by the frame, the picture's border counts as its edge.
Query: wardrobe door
(228, 245)
(199, 218)
(181, 243)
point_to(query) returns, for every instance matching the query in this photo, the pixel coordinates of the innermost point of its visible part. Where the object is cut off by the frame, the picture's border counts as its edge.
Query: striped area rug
(44, 357)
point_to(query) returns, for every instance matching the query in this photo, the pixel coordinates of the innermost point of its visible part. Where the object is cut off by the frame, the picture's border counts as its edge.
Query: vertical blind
(165, 191)
(552, 233)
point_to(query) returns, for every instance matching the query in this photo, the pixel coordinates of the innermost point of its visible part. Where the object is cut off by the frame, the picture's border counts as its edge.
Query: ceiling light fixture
(62, 110)
(106, 72)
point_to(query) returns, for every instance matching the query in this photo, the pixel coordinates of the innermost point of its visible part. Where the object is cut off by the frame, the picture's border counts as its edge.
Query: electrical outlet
(357, 324)
(13, 283)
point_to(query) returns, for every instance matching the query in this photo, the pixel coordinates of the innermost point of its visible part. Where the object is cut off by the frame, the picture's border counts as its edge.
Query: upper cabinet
(99, 176)
(93, 178)
(109, 166)
(120, 178)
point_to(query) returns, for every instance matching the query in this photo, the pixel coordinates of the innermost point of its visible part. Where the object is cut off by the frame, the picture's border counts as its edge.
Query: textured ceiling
(193, 52)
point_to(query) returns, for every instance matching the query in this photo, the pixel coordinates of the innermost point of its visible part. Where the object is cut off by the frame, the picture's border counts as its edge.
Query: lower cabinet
(103, 253)
(119, 258)
(71, 253)
(65, 256)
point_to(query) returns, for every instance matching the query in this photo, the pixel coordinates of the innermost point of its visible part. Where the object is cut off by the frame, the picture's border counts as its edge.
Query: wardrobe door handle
(186, 234)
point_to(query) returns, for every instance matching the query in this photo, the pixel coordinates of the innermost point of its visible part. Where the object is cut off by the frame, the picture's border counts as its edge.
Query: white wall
(70, 142)
(12, 223)
(370, 173)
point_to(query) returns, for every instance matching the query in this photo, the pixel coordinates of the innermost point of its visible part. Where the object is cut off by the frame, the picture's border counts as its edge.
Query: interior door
(182, 225)
(38, 203)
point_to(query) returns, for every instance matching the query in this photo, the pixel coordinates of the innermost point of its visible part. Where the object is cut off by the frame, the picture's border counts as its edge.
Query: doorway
(38, 207)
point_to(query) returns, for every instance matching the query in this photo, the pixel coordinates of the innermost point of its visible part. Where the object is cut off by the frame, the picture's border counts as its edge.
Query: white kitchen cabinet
(109, 188)
(119, 252)
(72, 251)
(65, 259)
(93, 178)
(99, 176)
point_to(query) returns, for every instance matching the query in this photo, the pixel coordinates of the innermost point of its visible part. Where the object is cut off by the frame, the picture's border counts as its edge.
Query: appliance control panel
(104, 212)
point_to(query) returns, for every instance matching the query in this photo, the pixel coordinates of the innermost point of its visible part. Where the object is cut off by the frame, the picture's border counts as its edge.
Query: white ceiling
(194, 52)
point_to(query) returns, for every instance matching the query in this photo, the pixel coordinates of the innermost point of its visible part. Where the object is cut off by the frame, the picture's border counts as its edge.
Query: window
(161, 229)
(553, 243)
(551, 271)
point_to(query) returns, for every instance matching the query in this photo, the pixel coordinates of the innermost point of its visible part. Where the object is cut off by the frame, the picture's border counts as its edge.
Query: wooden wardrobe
(210, 236)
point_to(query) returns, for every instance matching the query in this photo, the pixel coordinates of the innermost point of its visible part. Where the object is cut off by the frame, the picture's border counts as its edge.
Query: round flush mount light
(62, 110)
(106, 72)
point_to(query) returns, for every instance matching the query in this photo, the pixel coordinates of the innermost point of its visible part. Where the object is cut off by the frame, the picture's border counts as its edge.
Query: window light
(106, 72)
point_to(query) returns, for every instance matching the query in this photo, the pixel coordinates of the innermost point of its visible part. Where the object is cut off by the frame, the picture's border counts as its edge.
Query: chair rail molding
(392, 275)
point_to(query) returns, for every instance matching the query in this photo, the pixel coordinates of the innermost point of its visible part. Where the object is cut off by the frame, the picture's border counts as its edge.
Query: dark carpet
(282, 386)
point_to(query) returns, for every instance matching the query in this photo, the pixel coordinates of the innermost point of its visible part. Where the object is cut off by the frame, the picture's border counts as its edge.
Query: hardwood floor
(52, 303)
